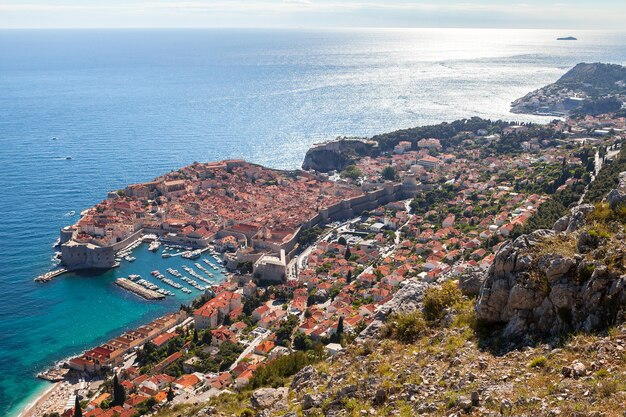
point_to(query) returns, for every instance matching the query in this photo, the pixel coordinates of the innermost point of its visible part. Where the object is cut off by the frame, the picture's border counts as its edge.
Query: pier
(49, 276)
(138, 289)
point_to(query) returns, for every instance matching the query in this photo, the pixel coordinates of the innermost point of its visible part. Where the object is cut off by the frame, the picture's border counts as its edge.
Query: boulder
(380, 397)
(264, 398)
(578, 216)
(305, 377)
(311, 401)
(587, 242)
(616, 198)
(578, 369)
(407, 299)
(555, 266)
(561, 224)
(464, 403)
(347, 391)
(470, 281)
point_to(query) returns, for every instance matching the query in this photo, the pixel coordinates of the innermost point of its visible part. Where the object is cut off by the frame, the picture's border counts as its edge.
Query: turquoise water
(78, 310)
(128, 105)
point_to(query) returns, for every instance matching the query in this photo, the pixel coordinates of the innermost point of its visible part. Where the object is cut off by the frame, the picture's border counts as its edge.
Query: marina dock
(49, 276)
(138, 289)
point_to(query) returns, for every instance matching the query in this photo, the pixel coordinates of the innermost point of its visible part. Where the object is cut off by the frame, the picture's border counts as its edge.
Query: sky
(545, 14)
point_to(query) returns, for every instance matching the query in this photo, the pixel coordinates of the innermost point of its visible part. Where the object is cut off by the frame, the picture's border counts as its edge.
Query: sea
(84, 112)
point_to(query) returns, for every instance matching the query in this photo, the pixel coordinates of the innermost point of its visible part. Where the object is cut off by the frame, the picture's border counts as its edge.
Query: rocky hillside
(437, 361)
(595, 79)
(585, 89)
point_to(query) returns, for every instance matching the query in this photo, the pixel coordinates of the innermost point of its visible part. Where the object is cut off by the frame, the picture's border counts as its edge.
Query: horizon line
(306, 28)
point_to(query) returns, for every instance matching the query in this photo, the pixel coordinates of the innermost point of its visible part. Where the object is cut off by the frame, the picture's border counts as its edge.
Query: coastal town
(311, 264)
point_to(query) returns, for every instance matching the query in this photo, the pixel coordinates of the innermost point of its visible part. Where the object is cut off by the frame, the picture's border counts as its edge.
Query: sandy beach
(34, 408)
(55, 398)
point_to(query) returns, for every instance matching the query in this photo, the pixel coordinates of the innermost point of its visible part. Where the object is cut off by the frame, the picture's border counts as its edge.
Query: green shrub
(602, 373)
(538, 362)
(275, 373)
(405, 328)
(438, 299)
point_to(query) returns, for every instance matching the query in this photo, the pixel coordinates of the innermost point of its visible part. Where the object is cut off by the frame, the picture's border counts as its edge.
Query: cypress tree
(348, 254)
(77, 410)
(340, 326)
(349, 277)
(207, 337)
(170, 394)
(195, 336)
(119, 393)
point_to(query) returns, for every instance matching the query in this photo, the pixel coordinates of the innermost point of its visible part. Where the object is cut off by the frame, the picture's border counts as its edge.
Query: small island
(567, 38)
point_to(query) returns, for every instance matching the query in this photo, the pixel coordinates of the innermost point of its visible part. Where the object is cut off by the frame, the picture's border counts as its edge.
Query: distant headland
(592, 89)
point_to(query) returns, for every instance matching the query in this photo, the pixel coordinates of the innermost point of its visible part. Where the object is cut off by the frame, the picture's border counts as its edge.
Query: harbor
(172, 283)
(201, 278)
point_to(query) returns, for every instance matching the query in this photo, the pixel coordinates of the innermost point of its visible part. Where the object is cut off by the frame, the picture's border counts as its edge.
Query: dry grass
(564, 245)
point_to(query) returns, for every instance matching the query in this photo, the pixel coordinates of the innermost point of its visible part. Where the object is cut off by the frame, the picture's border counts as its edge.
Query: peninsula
(585, 89)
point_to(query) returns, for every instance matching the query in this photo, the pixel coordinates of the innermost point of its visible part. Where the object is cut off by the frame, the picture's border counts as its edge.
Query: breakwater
(138, 289)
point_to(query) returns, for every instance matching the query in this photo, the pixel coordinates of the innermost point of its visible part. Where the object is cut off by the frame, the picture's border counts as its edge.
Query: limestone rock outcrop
(536, 287)
(407, 299)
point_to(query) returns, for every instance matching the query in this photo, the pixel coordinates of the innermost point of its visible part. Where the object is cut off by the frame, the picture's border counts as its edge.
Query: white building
(271, 268)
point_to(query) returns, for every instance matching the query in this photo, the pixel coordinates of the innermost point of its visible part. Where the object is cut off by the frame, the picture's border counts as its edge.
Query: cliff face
(569, 279)
(336, 155)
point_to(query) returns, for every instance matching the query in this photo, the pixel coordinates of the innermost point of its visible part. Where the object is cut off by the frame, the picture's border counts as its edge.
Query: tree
(342, 241)
(340, 326)
(195, 336)
(302, 342)
(351, 171)
(207, 337)
(170, 394)
(349, 276)
(78, 412)
(348, 254)
(308, 236)
(119, 393)
(389, 173)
